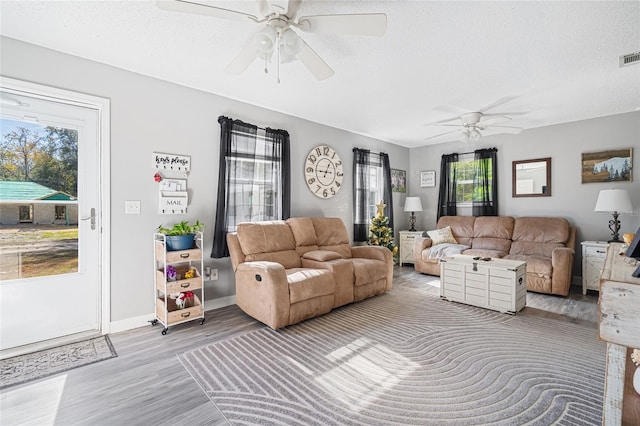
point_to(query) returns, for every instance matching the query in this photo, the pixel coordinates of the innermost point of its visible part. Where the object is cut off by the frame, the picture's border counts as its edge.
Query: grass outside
(34, 251)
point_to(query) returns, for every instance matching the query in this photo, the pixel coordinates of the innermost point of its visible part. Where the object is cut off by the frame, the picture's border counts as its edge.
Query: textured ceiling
(549, 62)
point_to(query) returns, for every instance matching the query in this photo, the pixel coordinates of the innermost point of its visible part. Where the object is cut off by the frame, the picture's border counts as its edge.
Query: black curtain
(238, 141)
(486, 178)
(447, 194)
(363, 161)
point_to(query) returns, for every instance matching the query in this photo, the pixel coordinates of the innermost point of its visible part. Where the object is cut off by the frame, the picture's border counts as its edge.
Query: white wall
(570, 198)
(150, 115)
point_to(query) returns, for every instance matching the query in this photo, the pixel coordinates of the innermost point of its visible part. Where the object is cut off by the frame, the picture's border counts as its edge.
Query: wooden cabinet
(407, 238)
(593, 255)
(619, 323)
(178, 274)
(496, 284)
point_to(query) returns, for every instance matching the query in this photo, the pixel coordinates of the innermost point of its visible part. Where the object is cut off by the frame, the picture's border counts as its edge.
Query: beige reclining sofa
(546, 244)
(289, 271)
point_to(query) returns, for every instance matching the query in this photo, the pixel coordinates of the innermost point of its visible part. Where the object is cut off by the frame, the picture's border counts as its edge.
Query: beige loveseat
(545, 243)
(289, 271)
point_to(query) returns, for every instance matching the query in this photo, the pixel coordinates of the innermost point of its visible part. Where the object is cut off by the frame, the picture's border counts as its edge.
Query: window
(254, 178)
(61, 212)
(469, 180)
(372, 177)
(26, 214)
(470, 185)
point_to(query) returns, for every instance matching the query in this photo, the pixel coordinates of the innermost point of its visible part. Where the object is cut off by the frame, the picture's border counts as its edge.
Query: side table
(407, 238)
(593, 255)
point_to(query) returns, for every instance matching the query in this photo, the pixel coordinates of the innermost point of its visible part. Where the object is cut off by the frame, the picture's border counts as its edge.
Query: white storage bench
(497, 284)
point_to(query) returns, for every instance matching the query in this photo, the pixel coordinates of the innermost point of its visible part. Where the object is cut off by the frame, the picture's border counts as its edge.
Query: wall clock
(323, 171)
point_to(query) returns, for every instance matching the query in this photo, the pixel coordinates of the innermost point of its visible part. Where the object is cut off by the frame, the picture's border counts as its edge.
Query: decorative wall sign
(172, 187)
(427, 179)
(607, 166)
(398, 180)
(178, 163)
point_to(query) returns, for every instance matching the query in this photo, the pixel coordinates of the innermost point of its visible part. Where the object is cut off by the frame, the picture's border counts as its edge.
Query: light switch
(132, 207)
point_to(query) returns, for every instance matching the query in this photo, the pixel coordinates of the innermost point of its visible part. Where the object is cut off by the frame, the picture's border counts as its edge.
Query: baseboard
(220, 302)
(143, 320)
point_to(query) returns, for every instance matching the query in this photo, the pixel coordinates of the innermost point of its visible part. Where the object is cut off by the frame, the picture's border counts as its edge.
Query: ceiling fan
(278, 36)
(473, 125)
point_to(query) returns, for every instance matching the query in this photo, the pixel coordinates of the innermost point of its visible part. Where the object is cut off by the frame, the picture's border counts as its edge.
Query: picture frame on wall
(398, 180)
(614, 165)
(428, 179)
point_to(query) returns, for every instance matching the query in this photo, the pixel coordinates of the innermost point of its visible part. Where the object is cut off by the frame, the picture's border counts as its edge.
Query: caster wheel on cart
(202, 321)
(164, 332)
(154, 322)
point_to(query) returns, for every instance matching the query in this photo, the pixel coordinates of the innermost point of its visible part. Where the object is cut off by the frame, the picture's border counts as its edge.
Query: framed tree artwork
(614, 165)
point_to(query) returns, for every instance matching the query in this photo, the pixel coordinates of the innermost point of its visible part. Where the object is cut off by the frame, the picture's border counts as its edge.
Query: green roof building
(32, 203)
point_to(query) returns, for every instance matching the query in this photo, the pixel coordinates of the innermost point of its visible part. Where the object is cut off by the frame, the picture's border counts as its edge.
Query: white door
(49, 241)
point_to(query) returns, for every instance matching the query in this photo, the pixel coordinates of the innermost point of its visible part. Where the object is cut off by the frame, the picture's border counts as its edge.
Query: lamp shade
(413, 204)
(613, 200)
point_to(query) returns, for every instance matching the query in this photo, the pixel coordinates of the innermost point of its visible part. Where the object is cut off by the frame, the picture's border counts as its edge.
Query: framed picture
(398, 180)
(607, 166)
(427, 179)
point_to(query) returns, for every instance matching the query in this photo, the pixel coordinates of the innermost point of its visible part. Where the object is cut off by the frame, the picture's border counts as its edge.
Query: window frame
(466, 158)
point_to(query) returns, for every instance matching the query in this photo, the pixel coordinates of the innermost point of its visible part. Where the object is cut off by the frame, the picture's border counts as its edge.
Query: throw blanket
(446, 249)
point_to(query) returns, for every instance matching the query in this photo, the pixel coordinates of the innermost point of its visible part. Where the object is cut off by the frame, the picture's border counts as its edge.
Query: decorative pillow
(441, 236)
(322, 255)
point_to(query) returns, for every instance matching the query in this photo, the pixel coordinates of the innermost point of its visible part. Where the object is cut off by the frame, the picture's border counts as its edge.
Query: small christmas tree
(380, 234)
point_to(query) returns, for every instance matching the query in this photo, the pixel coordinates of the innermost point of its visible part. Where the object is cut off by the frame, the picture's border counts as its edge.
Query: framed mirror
(532, 178)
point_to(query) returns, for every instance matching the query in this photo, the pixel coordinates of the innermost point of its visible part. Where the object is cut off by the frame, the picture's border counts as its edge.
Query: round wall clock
(323, 171)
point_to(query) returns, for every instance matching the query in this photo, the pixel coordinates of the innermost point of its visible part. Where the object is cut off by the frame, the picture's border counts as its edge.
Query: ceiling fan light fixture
(464, 136)
(474, 135)
(290, 45)
(266, 41)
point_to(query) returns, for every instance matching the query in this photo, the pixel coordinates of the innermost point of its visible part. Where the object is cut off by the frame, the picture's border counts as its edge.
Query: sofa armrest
(562, 263)
(262, 291)
(421, 243)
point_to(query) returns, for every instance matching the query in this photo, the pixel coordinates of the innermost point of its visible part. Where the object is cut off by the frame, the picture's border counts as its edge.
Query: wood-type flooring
(147, 385)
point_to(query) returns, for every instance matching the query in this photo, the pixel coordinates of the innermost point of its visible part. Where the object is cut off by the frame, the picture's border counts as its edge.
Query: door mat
(24, 368)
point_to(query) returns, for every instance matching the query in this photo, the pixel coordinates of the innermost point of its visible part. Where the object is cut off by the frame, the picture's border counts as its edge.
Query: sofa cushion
(539, 236)
(368, 270)
(461, 227)
(322, 255)
(536, 265)
(332, 235)
(492, 233)
(305, 284)
(269, 241)
(442, 236)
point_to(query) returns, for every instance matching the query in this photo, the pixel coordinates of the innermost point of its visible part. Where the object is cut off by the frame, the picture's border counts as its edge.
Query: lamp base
(412, 222)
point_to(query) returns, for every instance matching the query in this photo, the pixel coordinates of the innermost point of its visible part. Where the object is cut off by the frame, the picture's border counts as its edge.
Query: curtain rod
(473, 152)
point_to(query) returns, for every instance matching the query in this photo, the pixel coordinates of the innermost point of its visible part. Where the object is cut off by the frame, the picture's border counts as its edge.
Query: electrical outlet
(132, 207)
(214, 274)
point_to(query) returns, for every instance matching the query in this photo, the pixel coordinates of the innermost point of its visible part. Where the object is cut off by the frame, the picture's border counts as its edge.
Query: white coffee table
(497, 284)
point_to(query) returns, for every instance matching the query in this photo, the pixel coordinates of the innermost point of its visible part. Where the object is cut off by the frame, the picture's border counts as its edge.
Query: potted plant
(181, 236)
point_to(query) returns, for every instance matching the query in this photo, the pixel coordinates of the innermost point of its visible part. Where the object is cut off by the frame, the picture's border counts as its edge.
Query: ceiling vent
(630, 59)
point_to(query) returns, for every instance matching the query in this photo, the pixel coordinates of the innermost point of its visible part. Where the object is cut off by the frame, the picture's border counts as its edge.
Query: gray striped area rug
(407, 358)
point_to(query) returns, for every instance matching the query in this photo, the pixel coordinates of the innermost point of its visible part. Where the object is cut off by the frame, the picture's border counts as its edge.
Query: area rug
(407, 358)
(24, 368)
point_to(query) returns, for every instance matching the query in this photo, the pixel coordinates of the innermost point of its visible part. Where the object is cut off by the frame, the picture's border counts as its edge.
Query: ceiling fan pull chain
(278, 64)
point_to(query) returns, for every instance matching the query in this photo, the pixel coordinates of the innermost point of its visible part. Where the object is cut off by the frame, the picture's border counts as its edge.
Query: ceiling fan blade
(494, 130)
(442, 134)
(242, 61)
(293, 7)
(314, 62)
(497, 103)
(201, 9)
(371, 24)
(488, 120)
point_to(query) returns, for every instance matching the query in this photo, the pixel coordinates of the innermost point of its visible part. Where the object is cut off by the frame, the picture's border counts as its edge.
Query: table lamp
(614, 201)
(412, 204)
